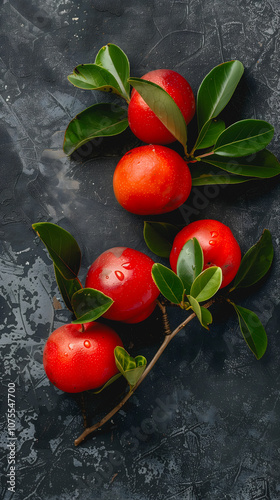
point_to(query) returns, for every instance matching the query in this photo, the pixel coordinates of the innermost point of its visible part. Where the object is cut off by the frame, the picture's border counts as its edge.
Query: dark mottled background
(205, 424)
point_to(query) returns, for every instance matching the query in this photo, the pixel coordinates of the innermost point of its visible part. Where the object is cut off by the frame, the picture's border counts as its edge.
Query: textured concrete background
(205, 423)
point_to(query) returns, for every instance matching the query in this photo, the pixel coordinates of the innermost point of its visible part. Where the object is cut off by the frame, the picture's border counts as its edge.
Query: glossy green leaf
(204, 174)
(94, 77)
(190, 263)
(164, 106)
(217, 89)
(207, 318)
(115, 61)
(159, 237)
(194, 304)
(255, 263)
(89, 304)
(168, 283)
(207, 284)
(62, 247)
(109, 382)
(244, 138)
(252, 330)
(261, 165)
(203, 314)
(99, 120)
(209, 134)
(131, 368)
(67, 287)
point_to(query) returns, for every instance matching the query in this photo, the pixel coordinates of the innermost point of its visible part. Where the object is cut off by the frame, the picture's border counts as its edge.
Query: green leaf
(99, 120)
(206, 317)
(244, 138)
(255, 263)
(195, 307)
(164, 106)
(168, 283)
(207, 284)
(62, 247)
(131, 368)
(159, 237)
(260, 165)
(109, 382)
(205, 175)
(67, 287)
(89, 304)
(209, 134)
(115, 61)
(94, 77)
(190, 263)
(203, 315)
(252, 330)
(217, 89)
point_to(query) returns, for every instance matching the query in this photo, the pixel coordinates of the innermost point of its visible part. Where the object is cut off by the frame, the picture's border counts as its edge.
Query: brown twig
(166, 324)
(163, 346)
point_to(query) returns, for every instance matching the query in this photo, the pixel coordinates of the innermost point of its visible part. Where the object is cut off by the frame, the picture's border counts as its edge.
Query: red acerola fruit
(151, 180)
(125, 275)
(77, 360)
(143, 121)
(218, 244)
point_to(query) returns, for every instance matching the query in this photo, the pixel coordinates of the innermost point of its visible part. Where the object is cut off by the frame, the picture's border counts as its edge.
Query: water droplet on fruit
(127, 265)
(119, 275)
(212, 242)
(214, 234)
(87, 343)
(71, 346)
(105, 273)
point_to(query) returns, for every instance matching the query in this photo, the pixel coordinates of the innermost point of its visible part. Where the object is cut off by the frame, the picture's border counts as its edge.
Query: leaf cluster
(221, 155)
(130, 368)
(191, 285)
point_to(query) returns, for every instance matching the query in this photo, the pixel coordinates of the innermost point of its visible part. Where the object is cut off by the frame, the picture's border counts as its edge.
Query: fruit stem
(163, 346)
(205, 154)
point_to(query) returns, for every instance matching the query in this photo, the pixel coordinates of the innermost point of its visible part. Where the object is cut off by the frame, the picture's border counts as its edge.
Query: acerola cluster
(150, 179)
(154, 179)
(78, 358)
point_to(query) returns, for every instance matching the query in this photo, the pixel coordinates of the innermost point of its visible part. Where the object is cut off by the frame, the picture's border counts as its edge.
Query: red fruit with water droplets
(218, 244)
(151, 180)
(78, 359)
(125, 275)
(143, 121)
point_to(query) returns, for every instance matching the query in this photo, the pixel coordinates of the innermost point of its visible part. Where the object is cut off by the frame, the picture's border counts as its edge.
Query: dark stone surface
(205, 423)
